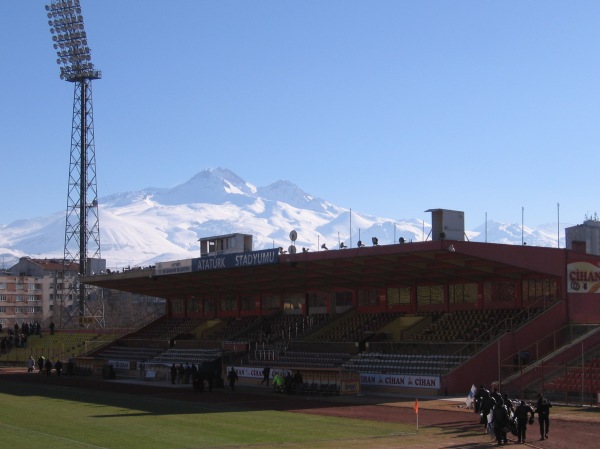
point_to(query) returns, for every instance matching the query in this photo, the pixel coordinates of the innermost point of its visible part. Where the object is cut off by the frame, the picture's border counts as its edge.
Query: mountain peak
(215, 186)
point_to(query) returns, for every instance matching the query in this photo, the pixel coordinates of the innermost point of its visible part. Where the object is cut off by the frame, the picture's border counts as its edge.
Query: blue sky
(386, 107)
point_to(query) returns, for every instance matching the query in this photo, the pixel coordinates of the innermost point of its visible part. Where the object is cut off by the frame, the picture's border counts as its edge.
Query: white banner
(174, 267)
(256, 372)
(583, 277)
(398, 380)
(120, 364)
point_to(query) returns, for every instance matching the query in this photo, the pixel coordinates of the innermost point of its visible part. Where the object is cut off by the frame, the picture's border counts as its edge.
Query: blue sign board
(236, 260)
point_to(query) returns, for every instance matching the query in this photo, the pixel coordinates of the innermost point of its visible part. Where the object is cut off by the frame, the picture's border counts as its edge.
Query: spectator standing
(58, 366)
(266, 373)
(543, 410)
(52, 326)
(298, 382)
(71, 366)
(232, 377)
(48, 367)
(187, 373)
(173, 373)
(278, 383)
(41, 363)
(180, 371)
(30, 364)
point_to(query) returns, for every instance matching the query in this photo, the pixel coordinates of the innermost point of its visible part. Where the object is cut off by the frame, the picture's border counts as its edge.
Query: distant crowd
(17, 336)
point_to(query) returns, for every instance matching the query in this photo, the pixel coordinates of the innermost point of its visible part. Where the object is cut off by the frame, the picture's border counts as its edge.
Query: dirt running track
(455, 426)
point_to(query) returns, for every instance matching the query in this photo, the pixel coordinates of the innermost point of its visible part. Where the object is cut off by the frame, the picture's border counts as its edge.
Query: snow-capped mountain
(157, 224)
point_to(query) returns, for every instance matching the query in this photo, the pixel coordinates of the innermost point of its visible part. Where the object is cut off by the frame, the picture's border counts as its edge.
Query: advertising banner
(398, 380)
(237, 260)
(583, 277)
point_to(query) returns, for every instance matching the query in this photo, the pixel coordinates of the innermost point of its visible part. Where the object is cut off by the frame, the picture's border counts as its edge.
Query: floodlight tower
(82, 231)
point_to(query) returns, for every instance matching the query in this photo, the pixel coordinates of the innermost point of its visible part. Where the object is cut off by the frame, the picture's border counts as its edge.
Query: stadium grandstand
(428, 318)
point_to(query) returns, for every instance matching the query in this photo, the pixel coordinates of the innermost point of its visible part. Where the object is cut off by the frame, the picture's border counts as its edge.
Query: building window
(430, 294)
(368, 297)
(293, 301)
(2, 309)
(209, 306)
(499, 291)
(462, 293)
(2, 297)
(19, 298)
(178, 305)
(247, 303)
(2, 286)
(343, 299)
(228, 303)
(270, 302)
(537, 289)
(318, 299)
(397, 296)
(195, 305)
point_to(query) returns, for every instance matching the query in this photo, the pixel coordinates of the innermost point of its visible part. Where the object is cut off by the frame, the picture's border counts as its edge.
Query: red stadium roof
(376, 266)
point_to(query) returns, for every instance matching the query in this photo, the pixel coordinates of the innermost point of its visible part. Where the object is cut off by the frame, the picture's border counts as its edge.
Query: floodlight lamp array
(70, 41)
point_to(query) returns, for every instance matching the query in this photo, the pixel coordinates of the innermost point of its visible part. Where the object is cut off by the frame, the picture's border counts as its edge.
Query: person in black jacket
(266, 373)
(542, 408)
(173, 373)
(232, 377)
(500, 419)
(523, 412)
(487, 405)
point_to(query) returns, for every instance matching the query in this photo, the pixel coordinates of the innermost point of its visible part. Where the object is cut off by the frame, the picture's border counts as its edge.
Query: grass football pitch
(34, 415)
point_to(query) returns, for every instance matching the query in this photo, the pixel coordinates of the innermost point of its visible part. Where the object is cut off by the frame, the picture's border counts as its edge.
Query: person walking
(278, 383)
(48, 367)
(487, 405)
(542, 408)
(30, 364)
(266, 372)
(500, 419)
(523, 412)
(232, 377)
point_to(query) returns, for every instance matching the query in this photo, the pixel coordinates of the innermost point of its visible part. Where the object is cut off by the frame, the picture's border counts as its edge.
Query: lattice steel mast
(82, 231)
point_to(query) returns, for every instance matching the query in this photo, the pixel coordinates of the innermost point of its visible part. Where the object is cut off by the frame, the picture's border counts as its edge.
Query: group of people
(198, 375)
(17, 336)
(45, 365)
(287, 383)
(499, 413)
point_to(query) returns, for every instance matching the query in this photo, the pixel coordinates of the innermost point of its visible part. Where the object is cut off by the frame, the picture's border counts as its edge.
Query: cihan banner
(397, 380)
(583, 277)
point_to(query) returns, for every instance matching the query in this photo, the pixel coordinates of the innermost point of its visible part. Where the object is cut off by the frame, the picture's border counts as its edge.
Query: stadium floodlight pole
(82, 233)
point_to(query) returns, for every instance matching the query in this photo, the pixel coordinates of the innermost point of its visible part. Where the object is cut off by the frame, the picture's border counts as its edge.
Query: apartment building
(35, 290)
